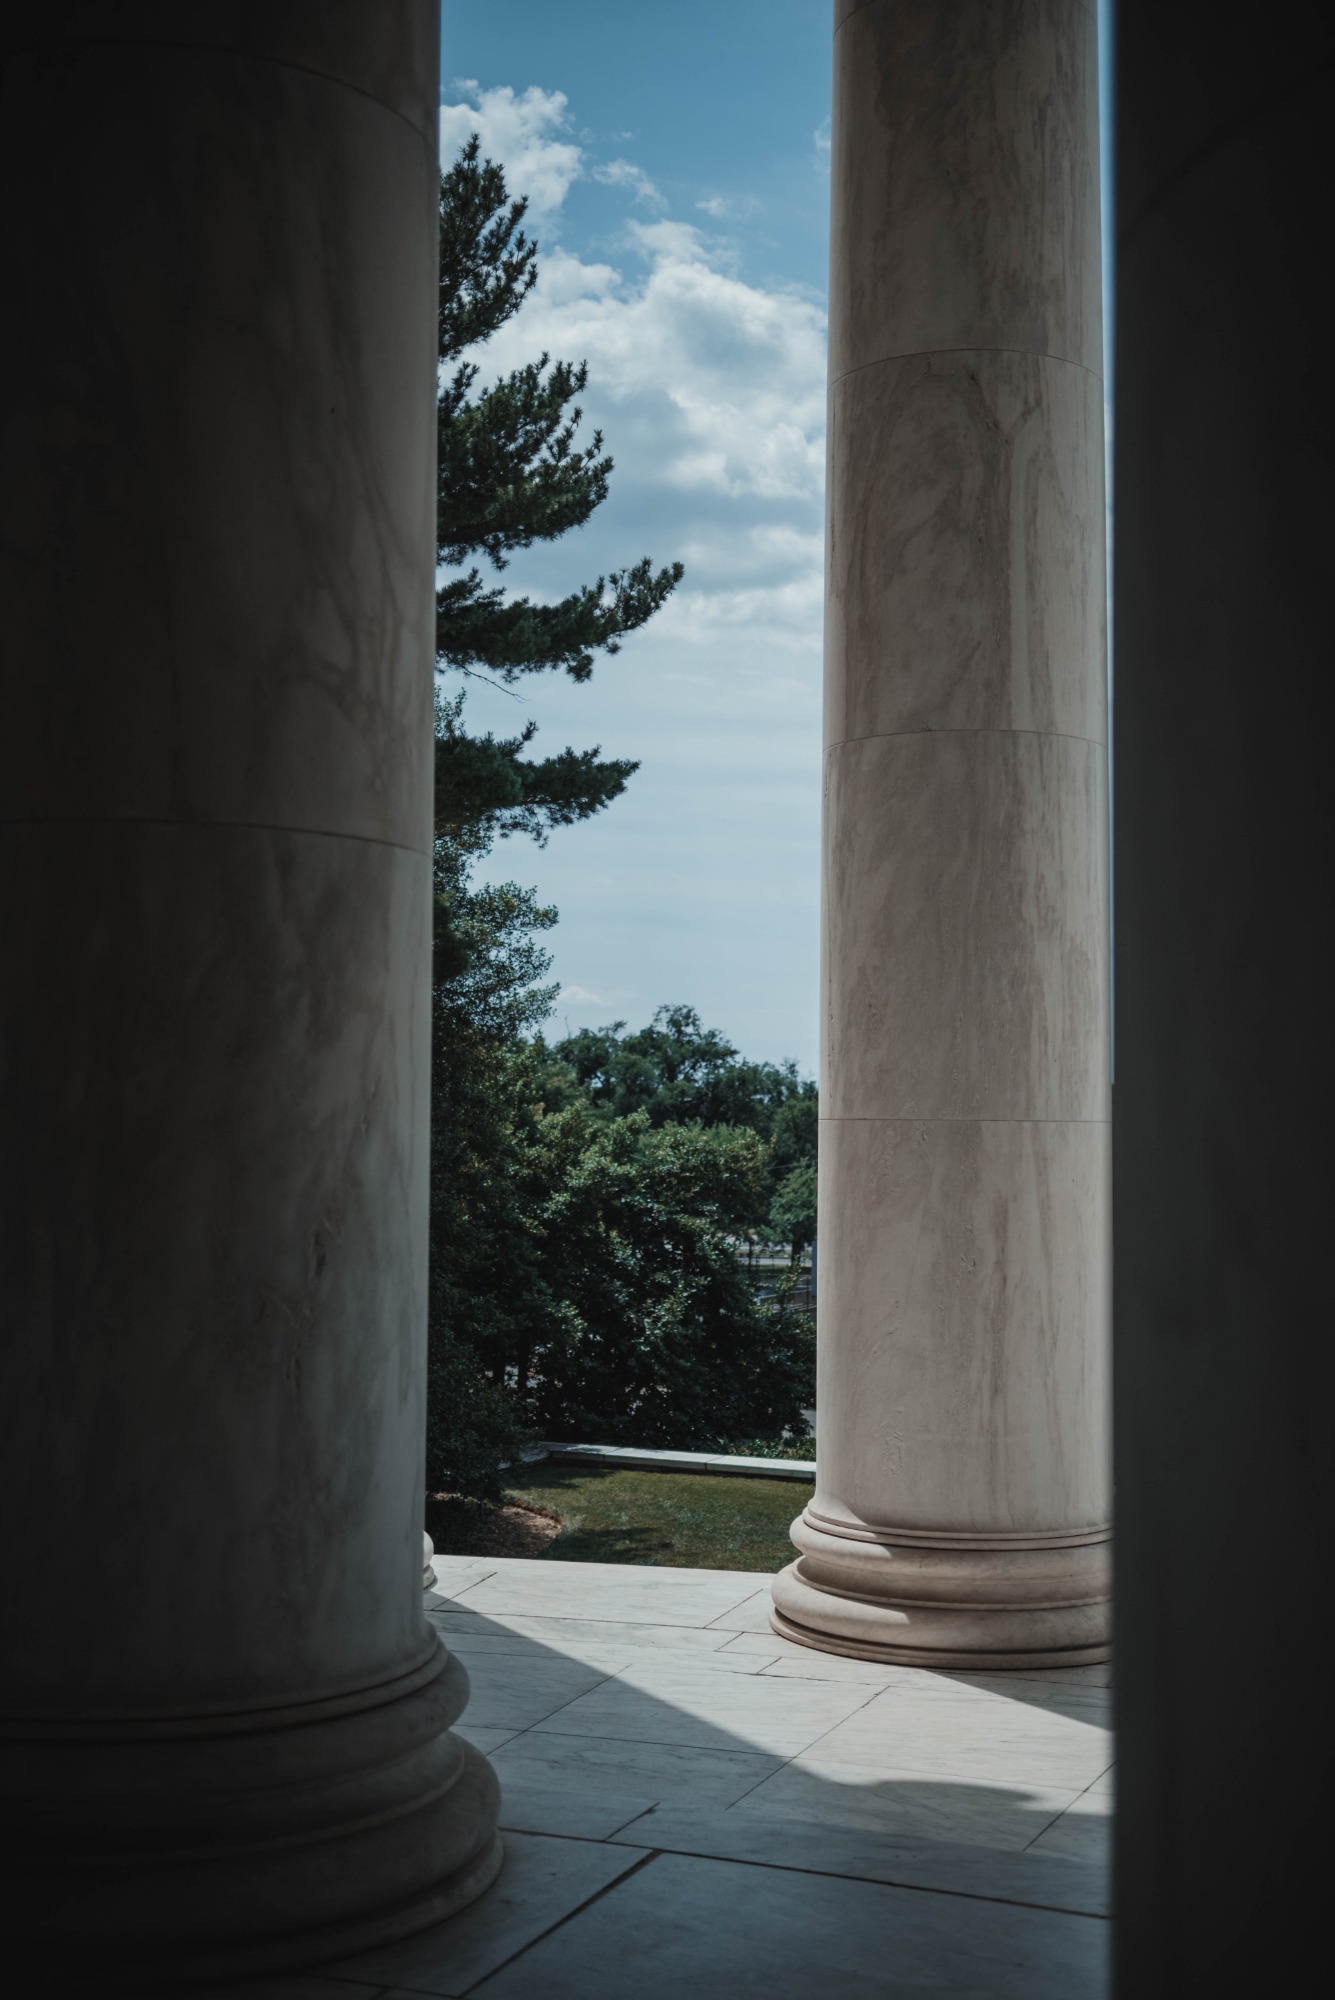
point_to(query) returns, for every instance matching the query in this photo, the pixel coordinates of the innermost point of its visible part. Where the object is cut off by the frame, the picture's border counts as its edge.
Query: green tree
(661, 1341)
(792, 1210)
(486, 1279)
(679, 1072)
(511, 473)
(585, 1281)
(585, 1200)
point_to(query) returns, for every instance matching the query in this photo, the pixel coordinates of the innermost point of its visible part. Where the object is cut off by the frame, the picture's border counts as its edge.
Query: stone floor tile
(1077, 1836)
(453, 1574)
(469, 1645)
(1078, 1698)
(691, 1702)
(973, 1812)
(686, 1925)
(541, 1882)
(767, 1641)
(576, 1638)
(1101, 1676)
(457, 1566)
(813, 1666)
(1019, 1876)
(975, 1735)
(626, 1594)
(564, 1810)
(1084, 1831)
(488, 1741)
(751, 1615)
(513, 1691)
(541, 1761)
(693, 1661)
(286, 1986)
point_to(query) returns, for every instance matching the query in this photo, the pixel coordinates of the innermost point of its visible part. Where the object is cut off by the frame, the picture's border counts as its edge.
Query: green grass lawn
(687, 1520)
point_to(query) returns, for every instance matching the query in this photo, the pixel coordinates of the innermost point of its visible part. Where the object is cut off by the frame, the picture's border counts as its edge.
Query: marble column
(961, 1504)
(227, 1723)
(1225, 850)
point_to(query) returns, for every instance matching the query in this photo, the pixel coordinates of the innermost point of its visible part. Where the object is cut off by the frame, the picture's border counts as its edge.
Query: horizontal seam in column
(212, 49)
(890, 735)
(212, 825)
(1085, 6)
(926, 354)
(939, 1118)
(852, 15)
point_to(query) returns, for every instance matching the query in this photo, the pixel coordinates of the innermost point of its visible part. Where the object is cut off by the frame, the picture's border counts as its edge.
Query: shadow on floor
(689, 1810)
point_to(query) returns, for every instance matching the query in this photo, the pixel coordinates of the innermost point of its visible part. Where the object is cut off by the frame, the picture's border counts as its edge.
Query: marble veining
(238, 467)
(965, 563)
(962, 1470)
(965, 946)
(967, 213)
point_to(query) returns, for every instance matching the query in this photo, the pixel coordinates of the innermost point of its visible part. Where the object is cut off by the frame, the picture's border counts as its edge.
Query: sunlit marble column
(227, 1721)
(961, 1505)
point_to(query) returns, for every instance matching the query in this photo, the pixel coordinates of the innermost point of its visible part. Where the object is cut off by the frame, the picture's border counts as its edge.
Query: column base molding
(981, 1606)
(173, 1849)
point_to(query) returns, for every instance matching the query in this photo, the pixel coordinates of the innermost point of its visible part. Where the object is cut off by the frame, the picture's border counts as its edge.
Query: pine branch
(476, 629)
(486, 269)
(484, 784)
(508, 473)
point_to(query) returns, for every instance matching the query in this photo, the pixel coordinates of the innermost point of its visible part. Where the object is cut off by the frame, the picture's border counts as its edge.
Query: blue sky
(676, 160)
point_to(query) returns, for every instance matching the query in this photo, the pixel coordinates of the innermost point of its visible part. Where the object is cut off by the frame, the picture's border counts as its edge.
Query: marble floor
(695, 1807)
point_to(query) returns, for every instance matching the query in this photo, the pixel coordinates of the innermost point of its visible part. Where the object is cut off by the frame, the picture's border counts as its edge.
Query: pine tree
(511, 473)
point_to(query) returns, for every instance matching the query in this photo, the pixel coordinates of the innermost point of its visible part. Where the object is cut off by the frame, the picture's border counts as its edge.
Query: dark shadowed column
(227, 1723)
(961, 1505)
(1225, 812)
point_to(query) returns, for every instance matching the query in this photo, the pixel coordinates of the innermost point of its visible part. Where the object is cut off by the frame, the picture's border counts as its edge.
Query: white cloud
(710, 391)
(729, 208)
(520, 130)
(716, 386)
(582, 996)
(624, 173)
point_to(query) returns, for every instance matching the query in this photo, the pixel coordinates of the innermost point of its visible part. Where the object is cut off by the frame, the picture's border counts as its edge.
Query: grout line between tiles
(806, 1746)
(622, 1624)
(761, 1781)
(501, 1726)
(608, 1838)
(835, 1874)
(662, 1743)
(578, 1910)
(1069, 1808)
(561, 1706)
(872, 1694)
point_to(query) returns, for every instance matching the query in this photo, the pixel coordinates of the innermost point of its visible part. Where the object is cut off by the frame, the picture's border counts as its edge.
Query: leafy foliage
(678, 1072)
(585, 1279)
(792, 1212)
(664, 1343)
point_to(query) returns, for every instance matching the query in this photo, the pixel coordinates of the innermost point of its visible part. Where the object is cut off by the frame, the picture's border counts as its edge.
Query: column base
(984, 1605)
(160, 1850)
